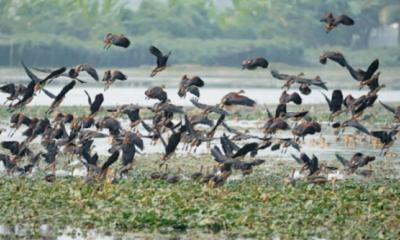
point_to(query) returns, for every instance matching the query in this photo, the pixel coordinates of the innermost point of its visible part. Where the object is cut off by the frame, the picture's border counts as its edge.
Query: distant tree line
(62, 31)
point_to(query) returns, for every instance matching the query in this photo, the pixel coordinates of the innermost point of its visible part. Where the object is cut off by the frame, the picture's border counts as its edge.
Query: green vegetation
(258, 206)
(60, 32)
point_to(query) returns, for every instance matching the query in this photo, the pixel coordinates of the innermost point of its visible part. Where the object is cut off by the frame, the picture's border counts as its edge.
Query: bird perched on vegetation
(117, 40)
(253, 63)
(161, 60)
(331, 21)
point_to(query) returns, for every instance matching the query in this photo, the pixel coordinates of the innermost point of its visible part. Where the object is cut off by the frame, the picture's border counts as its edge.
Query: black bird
(331, 21)
(173, 142)
(106, 165)
(29, 91)
(335, 103)
(308, 163)
(362, 75)
(253, 63)
(94, 106)
(191, 85)
(161, 60)
(60, 97)
(387, 138)
(73, 73)
(117, 40)
(247, 148)
(52, 75)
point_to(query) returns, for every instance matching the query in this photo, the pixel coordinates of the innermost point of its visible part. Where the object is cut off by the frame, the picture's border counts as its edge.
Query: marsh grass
(258, 206)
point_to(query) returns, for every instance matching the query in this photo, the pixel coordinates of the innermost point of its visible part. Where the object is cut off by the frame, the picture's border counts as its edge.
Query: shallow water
(126, 95)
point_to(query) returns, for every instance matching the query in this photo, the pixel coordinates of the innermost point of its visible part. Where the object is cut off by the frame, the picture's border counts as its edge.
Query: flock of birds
(172, 125)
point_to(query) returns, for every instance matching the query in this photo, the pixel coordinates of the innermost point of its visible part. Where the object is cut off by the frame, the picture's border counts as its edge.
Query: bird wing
(98, 100)
(241, 100)
(245, 149)
(389, 108)
(196, 81)
(54, 74)
(269, 114)
(194, 90)
(49, 94)
(379, 134)
(121, 41)
(338, 57)
(197, 104)
(372, 69)
(355, 124)
(155, 51)
(219, 122)
(119, 75)
(262, 62)
(89, 98)
(173, 142)
(327, 99)
(112, 159)
(13, 146)
(344, 19)
(278, 75)
(217, 154)
(337, 99)
(342, 160)
(66, 89)
(298, 160)
(8, 88)
(30, 74)
(91, 71)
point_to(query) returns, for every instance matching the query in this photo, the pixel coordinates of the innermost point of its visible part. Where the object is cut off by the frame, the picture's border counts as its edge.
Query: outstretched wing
(371, 69)
(91, 71)
(389, 108)
(30, 74)
(344, 19)
(89, 98)
(342, 160)
(49, 94)
(155, 51)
